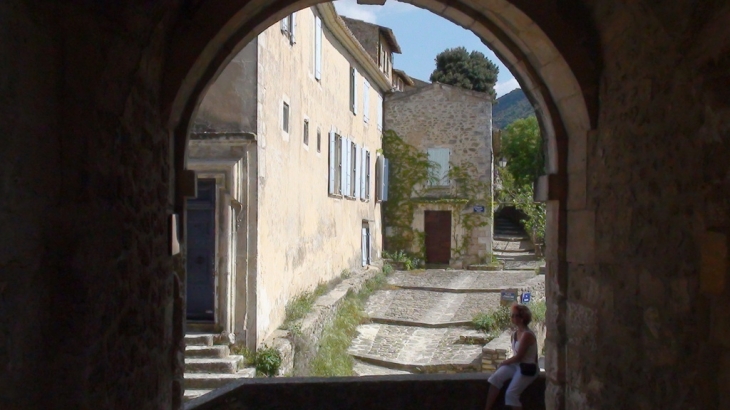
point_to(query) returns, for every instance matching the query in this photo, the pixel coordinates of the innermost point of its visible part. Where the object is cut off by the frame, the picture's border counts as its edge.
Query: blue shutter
(317, 48)
(293, 28)
(285, 24)
(333, 166)
(357, 163)
(344, 170)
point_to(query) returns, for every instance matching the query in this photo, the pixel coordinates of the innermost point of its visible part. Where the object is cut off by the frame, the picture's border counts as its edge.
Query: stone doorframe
(236, 226)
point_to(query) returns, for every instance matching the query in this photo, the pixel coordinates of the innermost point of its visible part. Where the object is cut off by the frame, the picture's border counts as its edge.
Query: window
(319, 140)
(288, 26)
(366, 101)
(335, 164)
(285, 117)
(439, 173)
(381, 179)
(305, 132)
(353, 90)
(317, 48)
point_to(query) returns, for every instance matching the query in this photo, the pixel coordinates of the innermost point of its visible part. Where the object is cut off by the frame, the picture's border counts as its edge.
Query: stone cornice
(339, 29)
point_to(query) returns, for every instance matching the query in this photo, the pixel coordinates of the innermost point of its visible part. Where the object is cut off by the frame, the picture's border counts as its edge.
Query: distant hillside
(511, 107)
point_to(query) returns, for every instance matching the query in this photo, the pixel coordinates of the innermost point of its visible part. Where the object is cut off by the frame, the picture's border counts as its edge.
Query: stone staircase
(209, 366)
(512, 246)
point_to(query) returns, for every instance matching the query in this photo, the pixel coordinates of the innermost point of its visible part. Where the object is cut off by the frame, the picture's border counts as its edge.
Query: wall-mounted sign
(480, 209)
(507, 297)
(526, 297)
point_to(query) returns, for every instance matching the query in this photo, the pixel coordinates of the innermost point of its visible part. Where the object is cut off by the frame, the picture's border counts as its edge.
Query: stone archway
(558, 74)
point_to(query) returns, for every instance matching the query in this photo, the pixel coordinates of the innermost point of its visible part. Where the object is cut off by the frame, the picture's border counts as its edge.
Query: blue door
(201, 253)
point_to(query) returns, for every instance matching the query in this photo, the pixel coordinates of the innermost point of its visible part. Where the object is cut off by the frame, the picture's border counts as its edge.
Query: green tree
(522, 148)
(473, 71)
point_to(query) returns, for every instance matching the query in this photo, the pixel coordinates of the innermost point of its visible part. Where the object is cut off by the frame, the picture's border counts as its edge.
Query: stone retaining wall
(299, 346)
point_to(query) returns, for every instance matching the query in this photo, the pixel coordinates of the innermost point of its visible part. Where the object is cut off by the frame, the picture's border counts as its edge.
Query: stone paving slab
(426, 308)
(523, 265)
(460, 280)
(415, 349)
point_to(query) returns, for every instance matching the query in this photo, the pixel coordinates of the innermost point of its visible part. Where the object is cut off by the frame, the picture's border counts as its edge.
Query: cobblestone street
(419, 324)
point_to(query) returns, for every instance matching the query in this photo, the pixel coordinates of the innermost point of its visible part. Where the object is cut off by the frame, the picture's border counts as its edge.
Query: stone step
(199, 339)
(193, 394)
(206, 351)
(511, 238)
(199, 381)
(512, 246)
(367, 369)
(228, 364)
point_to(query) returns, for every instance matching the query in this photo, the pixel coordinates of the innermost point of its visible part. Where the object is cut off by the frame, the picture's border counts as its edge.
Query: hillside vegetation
(511, 107)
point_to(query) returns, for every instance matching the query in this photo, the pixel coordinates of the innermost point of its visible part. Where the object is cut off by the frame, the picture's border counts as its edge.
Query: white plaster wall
(306, 236)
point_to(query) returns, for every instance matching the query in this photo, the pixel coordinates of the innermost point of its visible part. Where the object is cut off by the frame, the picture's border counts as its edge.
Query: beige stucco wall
(306, 236)
(443, 116)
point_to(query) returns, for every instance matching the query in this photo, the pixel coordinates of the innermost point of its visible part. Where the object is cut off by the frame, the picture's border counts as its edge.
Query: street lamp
(503, 162)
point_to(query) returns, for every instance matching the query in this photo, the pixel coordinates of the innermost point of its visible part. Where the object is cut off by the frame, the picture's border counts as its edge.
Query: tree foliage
(473, 71)
(522, 148)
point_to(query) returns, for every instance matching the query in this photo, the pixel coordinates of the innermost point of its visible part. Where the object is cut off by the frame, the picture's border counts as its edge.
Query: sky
(421, 36)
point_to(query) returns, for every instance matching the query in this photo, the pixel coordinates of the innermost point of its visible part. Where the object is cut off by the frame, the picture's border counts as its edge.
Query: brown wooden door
(438, 236)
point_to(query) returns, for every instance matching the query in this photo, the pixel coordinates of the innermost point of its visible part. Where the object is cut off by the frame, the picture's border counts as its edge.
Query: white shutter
(358, 171)
(380, 112)
(333, 166)
(366, 101)
(363, 172)
(367, 174)
(285, 25)
(344, 173)
(365, 246)
(354, 91)
(293, 28)
(386, 178)
(317, 48)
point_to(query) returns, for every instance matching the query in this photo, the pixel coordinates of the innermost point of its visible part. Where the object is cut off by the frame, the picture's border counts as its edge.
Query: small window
(335, 164)
(288, 26)
(319, 140)
(285, 117)
(353, 90)
(305, 132)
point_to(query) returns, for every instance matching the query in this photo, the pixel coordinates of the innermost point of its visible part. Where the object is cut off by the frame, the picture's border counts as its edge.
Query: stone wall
(443, 116)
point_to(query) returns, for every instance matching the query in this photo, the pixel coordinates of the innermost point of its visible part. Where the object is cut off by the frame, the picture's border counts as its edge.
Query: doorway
(201, 253)
(437, 226)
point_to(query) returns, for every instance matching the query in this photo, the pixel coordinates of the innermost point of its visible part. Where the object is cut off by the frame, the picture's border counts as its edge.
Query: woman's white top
(531, 354)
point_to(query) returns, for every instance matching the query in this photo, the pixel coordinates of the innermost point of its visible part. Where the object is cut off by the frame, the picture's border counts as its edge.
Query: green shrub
(298, 307)
(484, 322)
(538, 309)
(497, 320)
(267, 361)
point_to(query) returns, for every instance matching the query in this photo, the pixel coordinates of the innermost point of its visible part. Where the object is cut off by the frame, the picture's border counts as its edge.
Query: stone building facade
(454, 127)
(95, 113)
(265, 134)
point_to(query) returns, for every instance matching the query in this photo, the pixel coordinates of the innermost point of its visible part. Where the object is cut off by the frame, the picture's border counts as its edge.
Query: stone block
(577, 186)
(713, 268)
(581, 236)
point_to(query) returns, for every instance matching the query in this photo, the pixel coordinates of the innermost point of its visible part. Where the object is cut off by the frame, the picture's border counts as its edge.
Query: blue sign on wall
(479, 209)
(526, 297)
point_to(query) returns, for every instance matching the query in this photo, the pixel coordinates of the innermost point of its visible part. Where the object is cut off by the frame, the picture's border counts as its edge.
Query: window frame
(305, 132)
(285, 116)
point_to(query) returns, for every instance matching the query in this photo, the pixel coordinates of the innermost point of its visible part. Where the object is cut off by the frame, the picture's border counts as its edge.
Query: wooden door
(437, 225)
(201, 253)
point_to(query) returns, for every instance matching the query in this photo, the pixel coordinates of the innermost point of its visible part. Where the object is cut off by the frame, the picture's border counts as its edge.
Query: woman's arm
(526, 340)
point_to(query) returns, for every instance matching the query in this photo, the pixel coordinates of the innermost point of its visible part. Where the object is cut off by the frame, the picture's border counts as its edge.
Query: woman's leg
(496, 381)
(518, 384)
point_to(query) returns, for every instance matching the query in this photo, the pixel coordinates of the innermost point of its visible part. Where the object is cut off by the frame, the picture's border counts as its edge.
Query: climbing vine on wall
(409, 186)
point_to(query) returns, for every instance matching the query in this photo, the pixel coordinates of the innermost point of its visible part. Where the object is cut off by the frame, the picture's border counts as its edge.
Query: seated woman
(522, 368)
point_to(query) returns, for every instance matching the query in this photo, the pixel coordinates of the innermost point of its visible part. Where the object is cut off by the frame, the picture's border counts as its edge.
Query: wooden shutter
(333, 166)
(317, 48)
